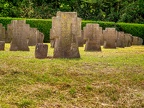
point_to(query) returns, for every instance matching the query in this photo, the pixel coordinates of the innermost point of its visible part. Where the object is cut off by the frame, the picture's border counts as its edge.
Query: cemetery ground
(113, 78)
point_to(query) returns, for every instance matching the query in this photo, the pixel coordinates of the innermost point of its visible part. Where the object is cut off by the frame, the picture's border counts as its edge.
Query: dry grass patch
(112, 78)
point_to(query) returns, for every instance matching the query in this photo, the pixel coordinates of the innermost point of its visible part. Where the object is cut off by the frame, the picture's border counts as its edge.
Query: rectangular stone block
(41, 51)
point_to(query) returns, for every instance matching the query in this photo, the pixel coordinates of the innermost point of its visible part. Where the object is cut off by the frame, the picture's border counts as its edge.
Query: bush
(134, 29)
(44, 26)
(101, 23)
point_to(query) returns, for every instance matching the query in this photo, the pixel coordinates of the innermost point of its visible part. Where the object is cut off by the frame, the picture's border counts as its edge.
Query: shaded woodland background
(129, 11)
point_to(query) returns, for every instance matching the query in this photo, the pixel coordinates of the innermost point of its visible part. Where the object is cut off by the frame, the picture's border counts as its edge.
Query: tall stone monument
(19, 32)
(110, 37)
(66, 27)
(92, 34)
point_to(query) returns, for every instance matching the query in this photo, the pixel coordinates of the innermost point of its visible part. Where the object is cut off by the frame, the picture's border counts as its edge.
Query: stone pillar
(92, 35)
(41, 51)
(66, 27)
(2, 45)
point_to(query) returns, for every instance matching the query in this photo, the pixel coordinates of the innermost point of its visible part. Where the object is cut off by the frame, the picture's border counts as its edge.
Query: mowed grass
(113, 78)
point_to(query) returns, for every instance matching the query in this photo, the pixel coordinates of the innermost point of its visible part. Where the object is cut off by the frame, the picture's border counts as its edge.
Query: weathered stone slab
(92, 34)
(65, 30)
(2, 45)
(81, 40)
(41, 50)
(2, 32)
(140, 41)
(120, 39)
(135, 40)
(110, 38)
(33, 37)
(20, 34)
(102, 39)
(52, 39)
(40, 37)
(9, 33)
(128, 40)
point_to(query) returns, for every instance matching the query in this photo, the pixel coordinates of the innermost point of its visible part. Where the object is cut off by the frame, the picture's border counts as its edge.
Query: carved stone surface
(2, 32)
(19, 34)
(120, 39)
(92, 34)
(2, 45)
(110, 37)
(66, 27)
(41, 50)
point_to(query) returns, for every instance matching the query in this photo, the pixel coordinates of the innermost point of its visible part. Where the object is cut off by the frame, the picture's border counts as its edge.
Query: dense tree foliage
(103, 10)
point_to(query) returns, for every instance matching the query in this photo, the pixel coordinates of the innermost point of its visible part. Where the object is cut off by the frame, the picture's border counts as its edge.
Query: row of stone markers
(109, 38)
(20, 35)
(66, 36)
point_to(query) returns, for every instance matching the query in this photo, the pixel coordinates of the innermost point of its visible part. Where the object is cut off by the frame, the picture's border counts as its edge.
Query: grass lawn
(113, 78)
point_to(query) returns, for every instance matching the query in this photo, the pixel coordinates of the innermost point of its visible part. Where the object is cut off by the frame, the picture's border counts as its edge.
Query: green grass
(111, 78)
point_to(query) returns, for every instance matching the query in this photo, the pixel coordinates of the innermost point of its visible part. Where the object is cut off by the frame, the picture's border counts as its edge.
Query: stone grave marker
(92, 34)
(66, 27)
(81, 40)
(120, 39)
(128, 40)
(135, 40)
(19, 34)
(140, 41)
(2, 32)
(2, 45)
(9, 33)
(110, 37)
(40, 37)
(41, 51)
(33, 37)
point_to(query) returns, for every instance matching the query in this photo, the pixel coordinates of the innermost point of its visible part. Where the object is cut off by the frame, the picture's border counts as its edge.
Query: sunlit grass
(111, 78)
